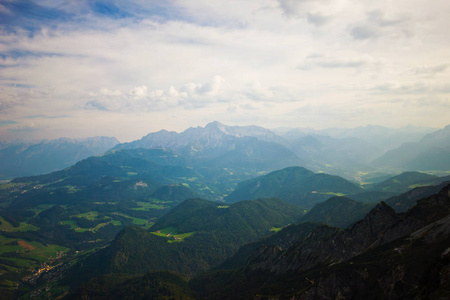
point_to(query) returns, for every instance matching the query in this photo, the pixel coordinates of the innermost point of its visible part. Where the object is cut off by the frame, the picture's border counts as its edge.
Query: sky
(81, 68)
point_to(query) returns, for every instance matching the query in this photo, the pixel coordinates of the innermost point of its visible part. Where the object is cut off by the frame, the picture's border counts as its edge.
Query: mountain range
(27, 158)
(336, 151)
(385, 255)
(343, 152)
(228, 212)
(294, 184)
(191, 238)
(432, 152)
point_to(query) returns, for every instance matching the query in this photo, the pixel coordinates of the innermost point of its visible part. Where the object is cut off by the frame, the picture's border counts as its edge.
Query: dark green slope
(185, 212)
(406, 181)
(153, 285)
(116, 176)
(338, 211)
(284, 238)
(174, 192)
(216, 233)
(405, 201)
(83, 207)
(252, 217)
(156, 164)
(112, 189)
(295, 185)
(384, 256)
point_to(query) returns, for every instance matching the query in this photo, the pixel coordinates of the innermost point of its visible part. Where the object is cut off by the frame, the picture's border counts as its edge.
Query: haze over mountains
(27, 158)
(236, 204)
(343, 152)
(430, 153)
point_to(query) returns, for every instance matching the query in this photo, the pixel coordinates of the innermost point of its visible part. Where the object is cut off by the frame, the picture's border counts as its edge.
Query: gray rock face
(327, 245)
(213, 135)
(417, 267)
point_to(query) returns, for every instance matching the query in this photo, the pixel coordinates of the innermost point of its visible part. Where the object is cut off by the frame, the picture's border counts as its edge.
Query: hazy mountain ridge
(217, 147)
(294, 184)
(432, 152)
(336, 151)
(341, 152)
(157, 164)
(407, 200)
(24, 158)
(406, 181)
(213, 135)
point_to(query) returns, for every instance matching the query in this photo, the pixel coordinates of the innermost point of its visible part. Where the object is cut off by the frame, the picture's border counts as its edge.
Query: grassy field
(90, 215)
(6, 226)
(172, 235)
(331, 193)
(146, 206)
(25, 254)
(73, 224)
(136, 221)
(276, 229)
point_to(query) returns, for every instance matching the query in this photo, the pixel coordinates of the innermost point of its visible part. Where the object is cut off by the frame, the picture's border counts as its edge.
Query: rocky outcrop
(327, 245)
(416, 267)
(384, 256)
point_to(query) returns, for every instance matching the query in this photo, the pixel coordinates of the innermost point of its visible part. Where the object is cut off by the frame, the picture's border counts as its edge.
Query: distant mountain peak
(215, 124)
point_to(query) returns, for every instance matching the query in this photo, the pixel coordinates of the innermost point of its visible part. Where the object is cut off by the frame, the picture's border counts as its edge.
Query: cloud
(331, 62)
(25, 128)
(140, 60)
(299, 8)
(108, 92)
(364, 32)
(45, 117)
(13, 97)
(256, 91)
(7, 123)
(318, 13)
(212, 87)
(139, 98)
(378, 17)
(430, 70)
(318, 19)
(4, 10)
(137, 92)
(376, 24)
(418, 88)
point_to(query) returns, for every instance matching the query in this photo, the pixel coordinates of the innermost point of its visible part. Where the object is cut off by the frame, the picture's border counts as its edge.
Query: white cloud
(254, 59)
(318, 19)
(363, 32)
(108, 92)
(138, 92)
(331, 62)
(431, 70)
